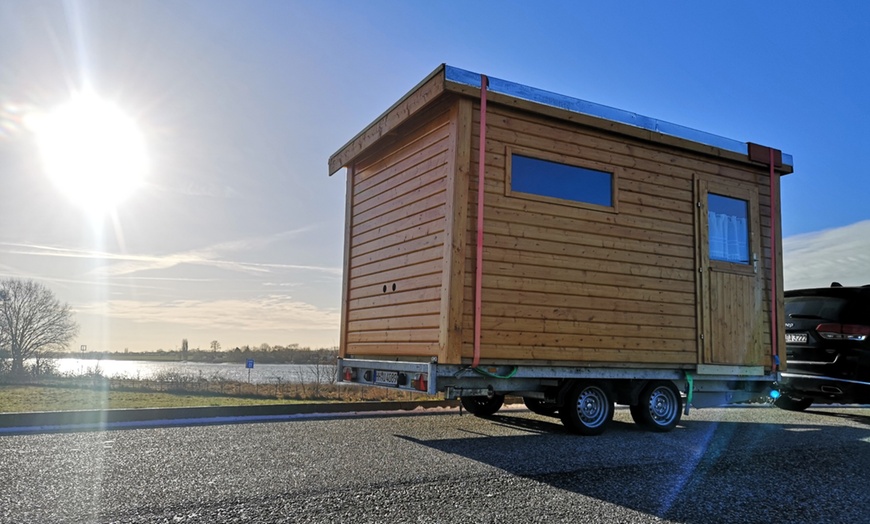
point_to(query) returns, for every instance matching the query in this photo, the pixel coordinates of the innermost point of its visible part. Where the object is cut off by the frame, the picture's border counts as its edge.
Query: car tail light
(843, 331)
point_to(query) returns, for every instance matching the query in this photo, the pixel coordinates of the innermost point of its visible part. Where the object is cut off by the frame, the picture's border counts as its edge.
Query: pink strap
(774, 325)
(481, 174)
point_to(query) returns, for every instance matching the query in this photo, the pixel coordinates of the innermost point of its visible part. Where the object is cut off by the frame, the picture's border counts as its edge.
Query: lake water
(150, 370)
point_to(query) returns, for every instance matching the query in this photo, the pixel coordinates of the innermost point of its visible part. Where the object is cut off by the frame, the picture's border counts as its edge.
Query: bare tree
(32, 320)
(215, 345)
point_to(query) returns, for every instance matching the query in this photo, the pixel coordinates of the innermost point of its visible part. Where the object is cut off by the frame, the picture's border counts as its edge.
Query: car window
(828, 308)
(855, 309)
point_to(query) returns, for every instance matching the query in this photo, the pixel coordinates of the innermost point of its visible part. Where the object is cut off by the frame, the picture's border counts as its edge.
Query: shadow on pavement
(701, 472)
(854, 417)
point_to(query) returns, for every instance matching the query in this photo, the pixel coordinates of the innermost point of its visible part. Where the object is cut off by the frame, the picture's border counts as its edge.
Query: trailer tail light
(843, 331)
(349, 374)
(421, 382)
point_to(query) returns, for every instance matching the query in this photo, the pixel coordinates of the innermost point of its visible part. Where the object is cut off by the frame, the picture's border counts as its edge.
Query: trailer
(505, 240)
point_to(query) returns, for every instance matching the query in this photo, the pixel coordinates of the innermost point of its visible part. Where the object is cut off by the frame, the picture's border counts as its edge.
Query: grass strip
(22, 399)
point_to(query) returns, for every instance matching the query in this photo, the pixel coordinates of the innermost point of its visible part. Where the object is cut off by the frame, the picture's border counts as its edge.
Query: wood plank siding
(397, 230)
(565, 283)
(630, 283)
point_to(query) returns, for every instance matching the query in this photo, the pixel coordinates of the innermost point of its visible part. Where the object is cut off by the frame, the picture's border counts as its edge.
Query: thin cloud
(834, 255)
(266, 313)
(54, 251)
(218, 256)
(209, 190)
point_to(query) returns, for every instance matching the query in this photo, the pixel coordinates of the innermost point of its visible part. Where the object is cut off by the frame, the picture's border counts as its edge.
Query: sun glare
(93, 152)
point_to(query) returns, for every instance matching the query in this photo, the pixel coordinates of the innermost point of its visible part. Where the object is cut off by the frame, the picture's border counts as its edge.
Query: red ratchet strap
(481, 164)
(774, 325)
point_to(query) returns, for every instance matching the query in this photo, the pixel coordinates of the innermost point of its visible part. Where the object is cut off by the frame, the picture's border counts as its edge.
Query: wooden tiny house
(610, 240)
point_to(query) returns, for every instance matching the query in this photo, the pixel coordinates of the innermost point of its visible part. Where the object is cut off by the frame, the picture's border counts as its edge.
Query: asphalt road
(747, 464)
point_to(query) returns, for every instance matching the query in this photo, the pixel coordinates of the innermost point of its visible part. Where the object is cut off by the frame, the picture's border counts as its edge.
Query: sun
(93, 152)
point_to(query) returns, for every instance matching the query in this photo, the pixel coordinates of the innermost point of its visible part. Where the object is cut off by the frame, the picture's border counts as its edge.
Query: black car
(827, 336)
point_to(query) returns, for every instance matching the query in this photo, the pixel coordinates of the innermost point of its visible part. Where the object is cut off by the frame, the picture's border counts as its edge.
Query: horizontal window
(562, 181)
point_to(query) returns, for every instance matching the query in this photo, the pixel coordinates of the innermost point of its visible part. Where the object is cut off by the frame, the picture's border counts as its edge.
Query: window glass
(833, 304)
(728, 224)
(552, 179)
(818, 308)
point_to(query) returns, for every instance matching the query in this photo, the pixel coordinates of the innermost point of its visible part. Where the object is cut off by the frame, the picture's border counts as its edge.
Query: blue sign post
(250, 365)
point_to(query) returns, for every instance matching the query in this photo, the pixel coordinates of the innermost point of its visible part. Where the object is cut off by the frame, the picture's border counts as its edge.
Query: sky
(235, 234)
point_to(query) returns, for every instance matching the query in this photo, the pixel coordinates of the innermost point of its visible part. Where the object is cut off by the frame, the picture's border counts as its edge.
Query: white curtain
(729, 238)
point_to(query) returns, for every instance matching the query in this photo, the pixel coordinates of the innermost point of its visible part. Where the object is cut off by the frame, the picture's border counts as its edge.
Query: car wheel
(482, 406)
(540, 407)
(588, 408)
(659, 407)
(790, 403)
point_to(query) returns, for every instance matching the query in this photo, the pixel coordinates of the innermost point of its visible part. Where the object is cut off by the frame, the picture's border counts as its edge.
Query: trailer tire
(659, 406)
(540, 407)
(587, 409)
(482, 406)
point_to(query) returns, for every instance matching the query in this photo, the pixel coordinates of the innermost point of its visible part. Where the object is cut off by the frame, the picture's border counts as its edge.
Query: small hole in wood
(385, 288)
(394, 286)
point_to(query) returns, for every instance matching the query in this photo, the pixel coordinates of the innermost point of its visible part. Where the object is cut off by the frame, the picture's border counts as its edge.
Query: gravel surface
(747, 464)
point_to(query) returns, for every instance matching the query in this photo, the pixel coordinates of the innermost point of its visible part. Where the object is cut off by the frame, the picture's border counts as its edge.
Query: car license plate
(387, 378)
(796, 338)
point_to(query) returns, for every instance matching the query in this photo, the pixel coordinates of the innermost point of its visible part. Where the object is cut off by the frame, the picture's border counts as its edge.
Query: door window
(728, 228)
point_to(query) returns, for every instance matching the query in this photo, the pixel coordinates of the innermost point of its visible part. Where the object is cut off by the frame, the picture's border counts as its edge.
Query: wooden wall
(396, 223)
(563, 283)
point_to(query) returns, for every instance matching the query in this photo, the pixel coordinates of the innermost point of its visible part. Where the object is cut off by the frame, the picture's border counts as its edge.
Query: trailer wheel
(540, 407)
(659, 407)
(588, 408)
(482, 406)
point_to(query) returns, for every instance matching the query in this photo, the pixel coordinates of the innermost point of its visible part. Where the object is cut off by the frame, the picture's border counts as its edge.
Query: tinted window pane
(820, 308)
(835, 304)
(551, 179)
(728, 227)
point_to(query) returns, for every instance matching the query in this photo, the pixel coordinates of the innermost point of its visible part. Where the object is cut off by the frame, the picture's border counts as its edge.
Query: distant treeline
(264, 354)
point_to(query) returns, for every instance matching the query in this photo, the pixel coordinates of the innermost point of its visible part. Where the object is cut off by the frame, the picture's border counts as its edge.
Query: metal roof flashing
(539, 96)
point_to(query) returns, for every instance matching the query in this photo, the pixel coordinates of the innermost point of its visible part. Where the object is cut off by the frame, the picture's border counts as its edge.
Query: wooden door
(731, 292)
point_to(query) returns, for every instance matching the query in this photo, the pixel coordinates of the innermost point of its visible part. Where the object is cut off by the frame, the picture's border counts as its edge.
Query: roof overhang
(448, 79)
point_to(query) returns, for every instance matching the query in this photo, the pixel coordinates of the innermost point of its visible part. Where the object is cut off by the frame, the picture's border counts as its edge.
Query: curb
(59, 419)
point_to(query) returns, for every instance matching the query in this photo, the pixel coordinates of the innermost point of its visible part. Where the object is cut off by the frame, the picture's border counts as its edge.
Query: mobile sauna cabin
(501, 239)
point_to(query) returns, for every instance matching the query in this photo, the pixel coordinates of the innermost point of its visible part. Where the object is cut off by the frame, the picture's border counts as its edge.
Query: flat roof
(449, 79)
(583, 107)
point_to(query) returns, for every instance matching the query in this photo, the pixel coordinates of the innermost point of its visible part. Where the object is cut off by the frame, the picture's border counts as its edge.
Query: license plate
(387, 378)
(796, 338)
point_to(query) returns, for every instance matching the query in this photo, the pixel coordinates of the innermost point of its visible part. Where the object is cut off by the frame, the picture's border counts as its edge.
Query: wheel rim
(663, 405)
(592, 407)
